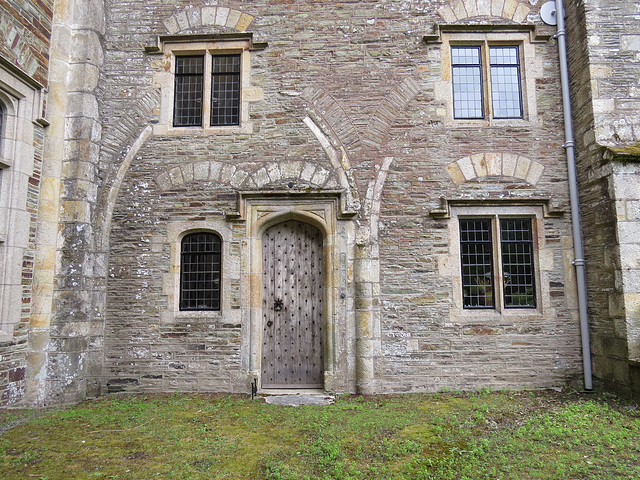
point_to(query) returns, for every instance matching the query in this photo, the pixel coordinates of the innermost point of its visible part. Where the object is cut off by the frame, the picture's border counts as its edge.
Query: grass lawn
(485, 435)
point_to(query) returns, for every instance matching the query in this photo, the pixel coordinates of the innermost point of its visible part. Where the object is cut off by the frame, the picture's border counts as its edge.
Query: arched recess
(109, 197)
(322, 211)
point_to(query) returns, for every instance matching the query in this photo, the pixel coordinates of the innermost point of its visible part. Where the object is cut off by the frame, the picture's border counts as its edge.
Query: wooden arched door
(292, 281)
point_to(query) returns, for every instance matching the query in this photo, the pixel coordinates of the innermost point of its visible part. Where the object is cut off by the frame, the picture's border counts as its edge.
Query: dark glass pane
(190, 65)
(189, 80)
(226, 64)
(477, 263)
(505, 82)
(200, 272)
(467, 82)
(225, 90)
(517, 263)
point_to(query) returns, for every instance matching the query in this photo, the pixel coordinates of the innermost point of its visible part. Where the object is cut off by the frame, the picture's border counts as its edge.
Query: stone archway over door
(292, 306)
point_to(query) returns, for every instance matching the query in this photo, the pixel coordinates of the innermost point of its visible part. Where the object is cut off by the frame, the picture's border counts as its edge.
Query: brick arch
(193, 18)
(513, 10)
(492, 164)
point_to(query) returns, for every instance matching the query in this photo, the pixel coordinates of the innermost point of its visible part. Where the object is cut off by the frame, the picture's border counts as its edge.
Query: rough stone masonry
(346, 123)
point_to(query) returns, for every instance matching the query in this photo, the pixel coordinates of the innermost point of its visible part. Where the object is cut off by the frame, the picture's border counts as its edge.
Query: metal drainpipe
(573, 192)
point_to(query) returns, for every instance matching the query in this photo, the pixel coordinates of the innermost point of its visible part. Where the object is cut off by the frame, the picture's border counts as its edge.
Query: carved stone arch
(513, 10)
(195, 18)
(492, 164)
(8, 103)
(110, 193)
(284, 175)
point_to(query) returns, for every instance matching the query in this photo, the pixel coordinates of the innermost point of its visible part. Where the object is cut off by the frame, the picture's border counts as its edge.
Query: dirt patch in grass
(484, 435)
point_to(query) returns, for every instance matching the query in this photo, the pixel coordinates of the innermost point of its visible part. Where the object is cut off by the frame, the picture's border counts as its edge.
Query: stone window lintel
(444, 211)
(439, 29)
(156, 45)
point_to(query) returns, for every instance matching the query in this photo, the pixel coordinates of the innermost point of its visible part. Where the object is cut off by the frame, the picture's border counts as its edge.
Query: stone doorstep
(297, 398)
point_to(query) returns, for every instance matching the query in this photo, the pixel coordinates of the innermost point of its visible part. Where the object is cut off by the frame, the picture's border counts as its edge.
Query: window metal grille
(189, 81)
(467, 82)
(517, 263)
(477, 263)
(225, 90)
(200, 272)
(505, 82)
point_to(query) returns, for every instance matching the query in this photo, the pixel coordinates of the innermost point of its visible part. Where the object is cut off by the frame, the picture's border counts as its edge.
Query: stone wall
(351, 129)
(25, 29)
(604, 67)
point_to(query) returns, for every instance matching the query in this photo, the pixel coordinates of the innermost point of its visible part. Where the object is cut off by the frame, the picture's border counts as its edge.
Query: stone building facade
(605, 55)
(25, 30)
(308, 194)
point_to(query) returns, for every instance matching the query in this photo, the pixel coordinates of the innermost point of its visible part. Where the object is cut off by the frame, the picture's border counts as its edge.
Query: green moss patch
(440, 436)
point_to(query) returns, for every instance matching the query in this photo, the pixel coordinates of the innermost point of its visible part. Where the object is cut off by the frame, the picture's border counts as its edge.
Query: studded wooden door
(292, 337)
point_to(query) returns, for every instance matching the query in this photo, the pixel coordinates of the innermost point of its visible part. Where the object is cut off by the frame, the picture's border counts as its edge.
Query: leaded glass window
(225, 90)
(515, 252)
(474, 77)
(517, 263)
(467, 82)
(477, 263)
(505, 82)
(189, 80)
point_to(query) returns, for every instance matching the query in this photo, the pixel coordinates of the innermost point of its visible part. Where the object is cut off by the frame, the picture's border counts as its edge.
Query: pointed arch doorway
(292, 306)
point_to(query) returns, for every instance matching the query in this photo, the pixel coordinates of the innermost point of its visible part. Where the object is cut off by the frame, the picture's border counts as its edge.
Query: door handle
(277, 306)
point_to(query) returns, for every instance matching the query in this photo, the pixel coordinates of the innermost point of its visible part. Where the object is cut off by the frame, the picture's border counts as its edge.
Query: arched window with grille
(200, 271)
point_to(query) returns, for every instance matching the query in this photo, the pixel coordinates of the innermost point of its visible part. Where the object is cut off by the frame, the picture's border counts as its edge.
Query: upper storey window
(486, 72)
(205, 84)
(220, 91)
(489, 75)
(187, 100)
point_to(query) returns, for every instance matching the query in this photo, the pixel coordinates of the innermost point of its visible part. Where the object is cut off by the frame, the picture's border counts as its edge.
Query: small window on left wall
(200, 271)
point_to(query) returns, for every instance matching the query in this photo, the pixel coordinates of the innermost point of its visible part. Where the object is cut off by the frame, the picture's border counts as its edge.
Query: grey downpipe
(573, 192)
